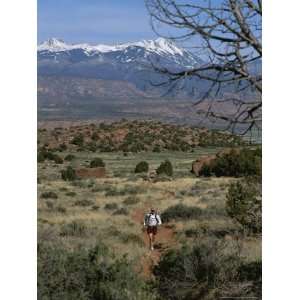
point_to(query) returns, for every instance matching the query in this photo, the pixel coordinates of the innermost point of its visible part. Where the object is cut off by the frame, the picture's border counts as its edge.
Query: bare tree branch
(230, 33)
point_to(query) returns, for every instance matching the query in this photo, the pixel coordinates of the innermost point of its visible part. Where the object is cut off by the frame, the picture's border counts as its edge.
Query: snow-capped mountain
(130, 62)
(159, 46)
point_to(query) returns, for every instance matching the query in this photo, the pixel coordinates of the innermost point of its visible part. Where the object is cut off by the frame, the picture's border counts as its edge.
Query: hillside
(133, 136)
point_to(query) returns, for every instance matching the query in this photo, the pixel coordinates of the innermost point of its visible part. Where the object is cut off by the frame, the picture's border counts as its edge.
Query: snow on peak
(160, 46)
(53, 44)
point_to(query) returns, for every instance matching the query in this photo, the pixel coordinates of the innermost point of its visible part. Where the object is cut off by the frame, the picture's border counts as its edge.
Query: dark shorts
(152, 229)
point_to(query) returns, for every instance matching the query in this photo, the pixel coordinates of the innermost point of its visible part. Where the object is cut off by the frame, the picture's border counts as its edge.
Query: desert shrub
(87, 274)
(97, 162)
(121, 211)
(181, 212)
(165, 168)
(127, 190)
(206, 170)
(71, 194)
(68, 174)
(95, 207)
(111, 206)
(50, 205)
(95, 136)
(141, 167)
(131, 200)
(78, 140)
(207, 270)
(61, 209)
(57, 159)
(244, 204)
(245, 162)
(156, 149)
(84, 202)
(91, 146)
(47, 195)
(70, 157)
(41, 157)
(75, 228)
(131, 238)
(62, 147)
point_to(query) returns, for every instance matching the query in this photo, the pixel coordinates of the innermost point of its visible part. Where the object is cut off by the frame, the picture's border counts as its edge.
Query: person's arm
(158, 219)
(145, 217)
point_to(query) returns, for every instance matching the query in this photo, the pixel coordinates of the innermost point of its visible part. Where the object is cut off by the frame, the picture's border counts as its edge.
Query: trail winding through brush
(164, 240)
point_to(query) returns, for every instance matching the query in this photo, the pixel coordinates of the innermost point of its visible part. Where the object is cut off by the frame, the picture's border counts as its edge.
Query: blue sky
(93, 21)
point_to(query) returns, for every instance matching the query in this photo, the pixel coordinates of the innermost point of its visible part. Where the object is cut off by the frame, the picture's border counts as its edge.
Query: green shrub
(61, 209)
(87, 274)
(127, 190)
(70, 157)
(57, 159)
(75, 228)
(68, 174)
(211, 269)
(165, 168)
(206, 170)
(41, 157)
(49, 195)
(84, 202)
(156, 149)
(71, 194)
(131, 238)
(95, 207)
(131, 200)
(50, 205)
(62, 147)
(111, 206)
(97, 162)
(244, 204)
(181, 212)
(121, 211)
(141, 167)
(78, 140)
(95, 136)
(236, 163)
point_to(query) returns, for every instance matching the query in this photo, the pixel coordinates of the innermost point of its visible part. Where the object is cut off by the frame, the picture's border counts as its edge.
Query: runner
(152, 220)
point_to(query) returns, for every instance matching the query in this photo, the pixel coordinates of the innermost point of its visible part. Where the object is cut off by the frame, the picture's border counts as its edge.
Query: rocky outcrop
(199, 163)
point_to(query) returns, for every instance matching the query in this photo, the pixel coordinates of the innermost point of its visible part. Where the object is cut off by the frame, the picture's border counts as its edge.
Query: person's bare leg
(153, 240)
(150, 240)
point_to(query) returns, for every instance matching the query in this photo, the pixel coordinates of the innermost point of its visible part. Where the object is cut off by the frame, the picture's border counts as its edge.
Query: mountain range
(93, 81)
(130, 62)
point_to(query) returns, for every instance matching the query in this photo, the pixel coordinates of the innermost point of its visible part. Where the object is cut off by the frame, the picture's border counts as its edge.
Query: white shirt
(152, 220)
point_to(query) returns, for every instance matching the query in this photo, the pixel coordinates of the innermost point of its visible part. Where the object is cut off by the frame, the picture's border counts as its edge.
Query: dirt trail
(164, 240)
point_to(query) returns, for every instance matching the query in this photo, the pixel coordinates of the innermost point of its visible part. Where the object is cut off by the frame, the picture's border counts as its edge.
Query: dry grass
(121, 233)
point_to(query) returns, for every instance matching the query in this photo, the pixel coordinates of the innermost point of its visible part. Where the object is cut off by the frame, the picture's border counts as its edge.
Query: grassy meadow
(83, 212)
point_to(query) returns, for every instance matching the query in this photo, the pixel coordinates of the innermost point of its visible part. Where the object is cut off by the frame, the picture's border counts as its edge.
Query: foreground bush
(208, 270)
(97, 162)
(181, 212)
(87, 274)
(141, 167)
(165, 168)
(68, 174)
(244, 204)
